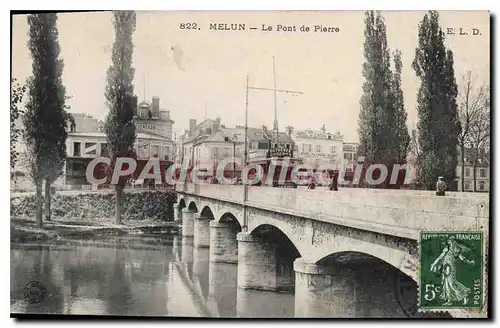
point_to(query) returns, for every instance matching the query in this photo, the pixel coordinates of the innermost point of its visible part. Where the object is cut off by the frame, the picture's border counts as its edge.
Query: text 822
(188, 26)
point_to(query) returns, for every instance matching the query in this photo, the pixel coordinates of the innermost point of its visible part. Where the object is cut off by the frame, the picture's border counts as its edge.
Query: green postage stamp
(451, 270)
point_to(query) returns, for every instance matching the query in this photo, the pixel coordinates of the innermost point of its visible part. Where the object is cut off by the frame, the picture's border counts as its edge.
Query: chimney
(192, 126)
(134, 104)
(155, 107)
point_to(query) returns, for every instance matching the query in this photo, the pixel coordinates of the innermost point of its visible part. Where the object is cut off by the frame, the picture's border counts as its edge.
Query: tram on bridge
(277, 159)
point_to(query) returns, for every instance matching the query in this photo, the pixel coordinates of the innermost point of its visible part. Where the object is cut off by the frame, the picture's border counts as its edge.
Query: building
(88, 141)
(350, 150)
(482, 171)
(317, 148)
(151, 119)
(210, 142)
(82, 147)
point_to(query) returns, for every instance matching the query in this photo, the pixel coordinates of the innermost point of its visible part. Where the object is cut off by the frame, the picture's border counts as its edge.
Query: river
(146, 276)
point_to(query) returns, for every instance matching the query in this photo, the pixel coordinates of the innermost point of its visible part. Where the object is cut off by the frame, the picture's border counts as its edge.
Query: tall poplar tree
(438, 125)
(383, 134)
(119, 125)
(44, 118)
(400, 129)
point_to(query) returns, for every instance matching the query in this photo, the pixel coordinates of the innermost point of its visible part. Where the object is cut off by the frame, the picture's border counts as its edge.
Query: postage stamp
(451, 270)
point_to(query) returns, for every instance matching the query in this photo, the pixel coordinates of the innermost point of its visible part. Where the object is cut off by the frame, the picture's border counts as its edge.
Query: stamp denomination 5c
(451, 270)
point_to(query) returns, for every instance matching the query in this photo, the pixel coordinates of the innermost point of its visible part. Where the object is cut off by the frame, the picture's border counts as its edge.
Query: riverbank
(24, 230)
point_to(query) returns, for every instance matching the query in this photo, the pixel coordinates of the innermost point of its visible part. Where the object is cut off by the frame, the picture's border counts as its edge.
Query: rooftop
(140, 135)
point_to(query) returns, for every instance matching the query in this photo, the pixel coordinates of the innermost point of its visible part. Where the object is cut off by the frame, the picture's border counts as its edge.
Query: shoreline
(64, 231)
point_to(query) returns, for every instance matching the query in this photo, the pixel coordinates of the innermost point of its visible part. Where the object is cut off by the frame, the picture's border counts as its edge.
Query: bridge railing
(408, 209)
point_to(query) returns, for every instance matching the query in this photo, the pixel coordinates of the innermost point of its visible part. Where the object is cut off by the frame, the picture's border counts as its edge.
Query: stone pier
(177, 213)
(325, 291)
(201, 231)
(188, 222)
(365, 289)
(223, 243)
(259, 267)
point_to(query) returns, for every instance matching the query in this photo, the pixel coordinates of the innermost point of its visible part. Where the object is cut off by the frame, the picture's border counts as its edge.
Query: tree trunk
(462, 167)
(38, 201)
(47, 200)
(474, 174)
(118, 199)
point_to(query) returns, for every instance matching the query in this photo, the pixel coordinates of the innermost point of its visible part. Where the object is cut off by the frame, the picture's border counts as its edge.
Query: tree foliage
(16, 98)
(438, 125)
(400, 130)
(44, 118)
(383, 133)
(119, 125)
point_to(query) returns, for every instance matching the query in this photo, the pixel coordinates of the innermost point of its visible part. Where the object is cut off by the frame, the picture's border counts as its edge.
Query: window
(303, 147)
(296, 147)
(215, 153)
(263, 145)
(309, 148)
(482, 173)
(333, 149)
(318, 148)
(481, 185)
(155, 151)
(166, 153)
(91, 148)
(348, 156)
(76, 149)
(467, 172)
(466, 185)
(104, 148)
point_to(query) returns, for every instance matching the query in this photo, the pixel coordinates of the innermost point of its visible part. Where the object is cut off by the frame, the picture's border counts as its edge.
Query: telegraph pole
(245, 183)
(275, 90)
(275, 124)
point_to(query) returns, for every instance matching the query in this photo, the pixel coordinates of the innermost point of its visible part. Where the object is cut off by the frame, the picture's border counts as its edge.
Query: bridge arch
(207, 212)
(229, 217)
(272, 233)
(399, 258)
(192, 206)
(390, 291)
(182, 203)
(283, 226)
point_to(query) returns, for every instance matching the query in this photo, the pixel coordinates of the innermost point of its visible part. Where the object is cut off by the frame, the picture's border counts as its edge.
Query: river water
(136, 277)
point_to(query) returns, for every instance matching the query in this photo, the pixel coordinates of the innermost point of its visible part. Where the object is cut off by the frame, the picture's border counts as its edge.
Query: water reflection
(263, 304)
(223, 286)
(136, 281)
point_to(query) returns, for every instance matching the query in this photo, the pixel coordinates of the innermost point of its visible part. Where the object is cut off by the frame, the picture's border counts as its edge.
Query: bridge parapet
(398, 212)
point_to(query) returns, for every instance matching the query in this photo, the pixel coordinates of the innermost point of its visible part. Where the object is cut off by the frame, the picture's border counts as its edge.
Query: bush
(136, 205)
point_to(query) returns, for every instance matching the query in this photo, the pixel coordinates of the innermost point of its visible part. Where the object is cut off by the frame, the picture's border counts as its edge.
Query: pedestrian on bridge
(335, 178)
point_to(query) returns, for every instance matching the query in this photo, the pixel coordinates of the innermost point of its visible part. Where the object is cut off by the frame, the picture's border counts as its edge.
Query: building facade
(150, 119)
(210, 142)
(317, 148)
(482, 177)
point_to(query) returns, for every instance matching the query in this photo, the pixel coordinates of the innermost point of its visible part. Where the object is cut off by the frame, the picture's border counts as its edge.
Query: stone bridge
(350, 253)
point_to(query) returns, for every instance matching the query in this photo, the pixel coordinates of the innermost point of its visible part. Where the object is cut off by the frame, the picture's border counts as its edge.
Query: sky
(201, 73)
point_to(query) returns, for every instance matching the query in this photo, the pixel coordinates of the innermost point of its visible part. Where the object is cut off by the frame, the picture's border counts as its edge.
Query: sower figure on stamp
(451, 289)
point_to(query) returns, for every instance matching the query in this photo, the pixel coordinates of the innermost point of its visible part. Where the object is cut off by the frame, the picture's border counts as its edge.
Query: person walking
(334, 183)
